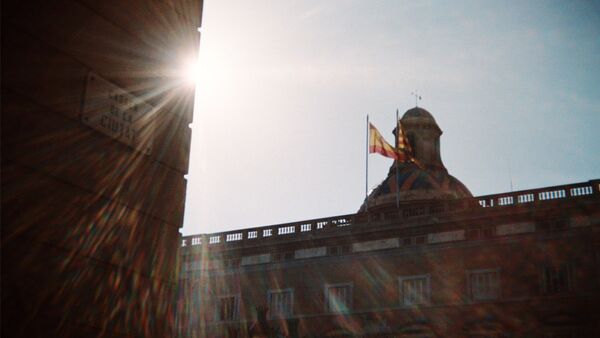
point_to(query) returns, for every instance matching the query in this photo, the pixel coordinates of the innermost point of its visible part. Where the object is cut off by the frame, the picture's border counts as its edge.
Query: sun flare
(190, 72)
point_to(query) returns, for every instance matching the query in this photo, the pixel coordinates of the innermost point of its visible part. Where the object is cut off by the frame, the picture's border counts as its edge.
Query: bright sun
(190, 72)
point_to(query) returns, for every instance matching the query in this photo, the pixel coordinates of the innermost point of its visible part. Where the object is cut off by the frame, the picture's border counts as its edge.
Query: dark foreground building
(442, 264)
(95, 145)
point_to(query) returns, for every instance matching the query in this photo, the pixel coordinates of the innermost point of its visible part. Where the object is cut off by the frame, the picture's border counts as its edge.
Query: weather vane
(417, 97)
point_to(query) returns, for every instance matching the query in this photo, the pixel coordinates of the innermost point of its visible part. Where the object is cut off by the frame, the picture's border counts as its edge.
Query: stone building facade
(95, 145)
(442, 264)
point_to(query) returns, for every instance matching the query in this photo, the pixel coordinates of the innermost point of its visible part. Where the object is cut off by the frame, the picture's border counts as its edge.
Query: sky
(284, 88)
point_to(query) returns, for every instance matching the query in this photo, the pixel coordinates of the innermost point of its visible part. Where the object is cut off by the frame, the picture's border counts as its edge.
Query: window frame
(472, 272)
(569, 279)
(350, 303)
(427, 299)
(270, 293)
(236, 307)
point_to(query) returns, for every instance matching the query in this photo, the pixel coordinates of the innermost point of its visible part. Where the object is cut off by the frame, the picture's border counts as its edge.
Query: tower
(431, 180)
(424, 137)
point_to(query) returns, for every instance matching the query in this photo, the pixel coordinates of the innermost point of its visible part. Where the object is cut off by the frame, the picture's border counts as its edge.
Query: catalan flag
(403, 148)
(377, 144)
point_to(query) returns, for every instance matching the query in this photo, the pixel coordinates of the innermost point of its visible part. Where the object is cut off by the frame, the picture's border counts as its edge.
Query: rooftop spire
(417, 97)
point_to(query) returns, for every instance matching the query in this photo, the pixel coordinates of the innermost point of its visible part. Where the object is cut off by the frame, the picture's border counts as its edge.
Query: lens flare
(190, 72)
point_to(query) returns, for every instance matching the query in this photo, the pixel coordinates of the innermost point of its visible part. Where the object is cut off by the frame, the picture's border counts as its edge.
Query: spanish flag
(377, 144)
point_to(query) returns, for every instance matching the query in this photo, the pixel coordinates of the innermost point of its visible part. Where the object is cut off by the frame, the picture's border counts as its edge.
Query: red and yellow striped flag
(403, 146)
(377, 144)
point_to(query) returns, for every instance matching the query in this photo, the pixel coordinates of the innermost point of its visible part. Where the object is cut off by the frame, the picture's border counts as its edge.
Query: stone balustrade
(343, 222)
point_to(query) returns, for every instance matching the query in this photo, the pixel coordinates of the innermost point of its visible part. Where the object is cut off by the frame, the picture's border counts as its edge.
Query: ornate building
(442, 264)
(95, 146)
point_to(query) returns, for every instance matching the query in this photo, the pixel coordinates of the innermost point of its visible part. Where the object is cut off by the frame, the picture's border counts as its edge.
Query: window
(288, 255)
(338, 297)
(338, 250)
(488, 232)
(414, 290)
(436, 209)
(228, 308)
(413, 144)
(281, 303)
(473, 234)
(556, 279)
(283, 256)
(232, 262)
(484, 284)
(412, 212)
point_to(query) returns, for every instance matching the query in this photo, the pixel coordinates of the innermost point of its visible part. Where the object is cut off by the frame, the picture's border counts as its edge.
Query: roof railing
(306, 227)
(542, 194)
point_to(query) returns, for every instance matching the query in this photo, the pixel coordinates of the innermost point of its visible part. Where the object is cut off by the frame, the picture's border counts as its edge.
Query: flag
(402, 152)
(377, 144)
(403, 148)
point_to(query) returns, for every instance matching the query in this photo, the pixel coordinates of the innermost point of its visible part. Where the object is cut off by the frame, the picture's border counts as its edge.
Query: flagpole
(397, 169)
(367, 168)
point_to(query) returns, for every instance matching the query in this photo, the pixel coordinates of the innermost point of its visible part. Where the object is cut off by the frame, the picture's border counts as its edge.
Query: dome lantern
(430, 181)
(423, 135)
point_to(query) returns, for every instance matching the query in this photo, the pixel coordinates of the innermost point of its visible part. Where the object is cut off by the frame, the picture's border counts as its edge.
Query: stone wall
(90, 222)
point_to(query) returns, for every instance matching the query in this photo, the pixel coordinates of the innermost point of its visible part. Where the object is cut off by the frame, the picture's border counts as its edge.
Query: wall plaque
(111, 110)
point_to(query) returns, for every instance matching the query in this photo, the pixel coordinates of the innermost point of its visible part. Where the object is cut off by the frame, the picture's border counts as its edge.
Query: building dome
(416, 184)
(430, 180)
(417, 112)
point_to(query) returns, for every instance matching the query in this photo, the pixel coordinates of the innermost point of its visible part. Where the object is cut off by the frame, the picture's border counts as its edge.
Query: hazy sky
(279, 126)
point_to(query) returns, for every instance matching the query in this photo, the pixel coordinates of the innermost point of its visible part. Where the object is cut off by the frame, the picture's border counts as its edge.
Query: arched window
(413, 144)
